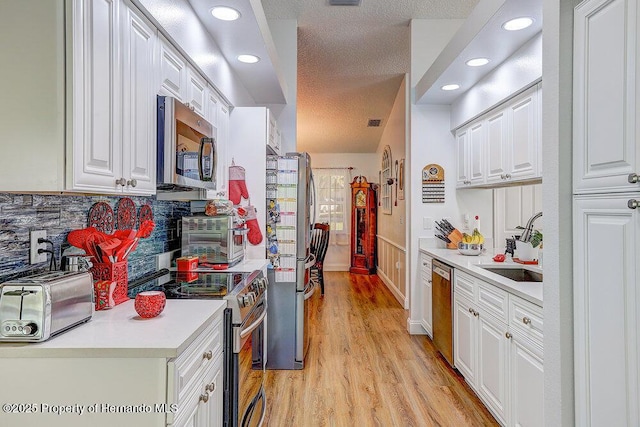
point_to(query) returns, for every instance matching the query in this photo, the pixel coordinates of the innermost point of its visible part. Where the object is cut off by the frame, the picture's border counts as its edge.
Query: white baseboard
(336, 267)
(394, 290)
(415, 327)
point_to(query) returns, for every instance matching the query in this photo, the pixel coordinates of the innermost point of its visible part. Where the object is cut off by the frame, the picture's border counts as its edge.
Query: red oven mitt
(255, 235)
(237, 184)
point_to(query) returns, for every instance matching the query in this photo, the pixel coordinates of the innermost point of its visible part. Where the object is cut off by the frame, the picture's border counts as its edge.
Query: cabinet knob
(208, 355)
(633, 178)
(633, 204)
(211, 387)
(476, 314)
(121, 182)
(501, 176)
(508, 335)
(428, 281)
(507, 176)
(470, 310)
(132, 182)
(526, 320)
(204, 397)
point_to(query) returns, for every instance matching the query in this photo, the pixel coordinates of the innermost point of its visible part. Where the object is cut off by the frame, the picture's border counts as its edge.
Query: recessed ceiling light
(225, 13)
(477, 62)
(517, 23)
(450, 87)
(248, 59)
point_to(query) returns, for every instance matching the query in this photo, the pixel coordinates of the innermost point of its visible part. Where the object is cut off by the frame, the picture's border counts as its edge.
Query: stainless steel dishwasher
(442, 315)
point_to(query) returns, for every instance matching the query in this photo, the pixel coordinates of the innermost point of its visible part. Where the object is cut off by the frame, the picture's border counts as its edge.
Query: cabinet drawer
(463, 284)
(526, 317)
(190, 365)
(493, 300)
(425, 265)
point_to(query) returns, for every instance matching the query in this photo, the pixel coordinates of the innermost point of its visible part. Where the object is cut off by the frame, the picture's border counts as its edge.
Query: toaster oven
(35, 308)
(213, 239)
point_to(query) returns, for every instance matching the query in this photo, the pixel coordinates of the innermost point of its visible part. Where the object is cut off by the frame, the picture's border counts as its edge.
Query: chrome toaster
(34, 308)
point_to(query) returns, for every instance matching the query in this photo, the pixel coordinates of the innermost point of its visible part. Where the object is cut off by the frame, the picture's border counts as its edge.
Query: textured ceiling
(351, 61)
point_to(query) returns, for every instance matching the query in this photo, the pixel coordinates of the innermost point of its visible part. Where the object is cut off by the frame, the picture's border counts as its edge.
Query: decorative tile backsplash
(59, 214)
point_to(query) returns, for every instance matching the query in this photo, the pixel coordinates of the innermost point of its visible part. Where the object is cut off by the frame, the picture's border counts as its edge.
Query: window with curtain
(332, 200)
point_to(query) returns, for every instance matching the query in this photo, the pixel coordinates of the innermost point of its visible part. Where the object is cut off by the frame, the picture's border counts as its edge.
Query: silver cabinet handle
(633, 203)
(208, 355)
(526, 320)
(133, 182)
(475, 313)
(204, 397)
(633, 178)
(470, 310)
(121, 181)
(508, 335)
(507, 176)
(211, 387)
(429, 281)
(501, 176)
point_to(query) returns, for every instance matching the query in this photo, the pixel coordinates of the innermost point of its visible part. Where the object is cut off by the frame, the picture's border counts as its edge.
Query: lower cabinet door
(465, 337)
(527, 383)
(493, 364)
(212, 410)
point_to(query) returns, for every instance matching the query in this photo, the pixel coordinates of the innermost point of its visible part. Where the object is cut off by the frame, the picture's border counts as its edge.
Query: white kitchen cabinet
(274, 142)
(173, 71)
(606, 310)
(498, 349)
(462, 158)
(170, 368)
(223, 143)
(138, 102)
(427, 297)
(524, 129)
(497, 146)
(196, 91)
(96, 164)
(527, 382)
(471, 158)
(113, 110)
(465, 337)
(503, 146)
(605, 105)
(212, 106)
(606, 217)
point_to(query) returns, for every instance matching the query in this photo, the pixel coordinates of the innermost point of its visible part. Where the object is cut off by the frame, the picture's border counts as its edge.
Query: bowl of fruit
(471, 244)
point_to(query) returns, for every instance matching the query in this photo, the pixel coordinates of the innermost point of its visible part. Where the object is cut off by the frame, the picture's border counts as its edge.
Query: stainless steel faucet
(526, 235)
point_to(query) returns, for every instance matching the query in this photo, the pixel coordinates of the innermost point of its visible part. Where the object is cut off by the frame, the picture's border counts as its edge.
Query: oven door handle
(246, 331)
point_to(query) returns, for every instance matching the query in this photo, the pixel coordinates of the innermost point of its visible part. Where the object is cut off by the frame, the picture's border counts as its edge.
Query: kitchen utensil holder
(115, 272)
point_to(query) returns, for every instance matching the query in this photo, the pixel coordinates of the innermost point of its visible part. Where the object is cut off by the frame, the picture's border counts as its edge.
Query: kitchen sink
(517, 274)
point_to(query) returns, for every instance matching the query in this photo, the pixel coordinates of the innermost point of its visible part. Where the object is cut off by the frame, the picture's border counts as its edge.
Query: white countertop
(530, 291)
(120, 332)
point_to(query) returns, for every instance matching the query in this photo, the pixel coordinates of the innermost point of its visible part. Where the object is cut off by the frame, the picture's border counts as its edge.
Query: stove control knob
(30, 329)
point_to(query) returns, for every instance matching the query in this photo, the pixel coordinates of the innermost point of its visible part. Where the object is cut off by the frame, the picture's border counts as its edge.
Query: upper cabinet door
(462, 166)
(497, 146)
(173, 72)
(524, 136)
(196, 88)
(476, 144)
(139, 102)
(96, 99)
(605, 116)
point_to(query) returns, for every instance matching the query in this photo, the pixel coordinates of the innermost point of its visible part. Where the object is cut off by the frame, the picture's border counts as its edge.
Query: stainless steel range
(245, 317)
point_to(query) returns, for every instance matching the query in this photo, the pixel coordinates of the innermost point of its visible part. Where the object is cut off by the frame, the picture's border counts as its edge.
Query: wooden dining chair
(318, 247)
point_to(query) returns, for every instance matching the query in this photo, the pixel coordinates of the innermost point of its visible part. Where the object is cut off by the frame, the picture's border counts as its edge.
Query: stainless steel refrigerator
(288, 229)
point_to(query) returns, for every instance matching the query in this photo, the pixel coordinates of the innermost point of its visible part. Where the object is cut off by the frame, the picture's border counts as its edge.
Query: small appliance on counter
(213, 239)
(35, 308)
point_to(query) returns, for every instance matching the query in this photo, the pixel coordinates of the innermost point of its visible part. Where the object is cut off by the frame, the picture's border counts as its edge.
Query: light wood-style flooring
(364, 369)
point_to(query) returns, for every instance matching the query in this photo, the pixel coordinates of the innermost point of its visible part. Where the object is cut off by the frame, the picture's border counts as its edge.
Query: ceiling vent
(345, 2)
(374, 123)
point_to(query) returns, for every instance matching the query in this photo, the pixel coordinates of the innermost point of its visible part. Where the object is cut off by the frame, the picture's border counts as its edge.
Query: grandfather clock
(363, 226)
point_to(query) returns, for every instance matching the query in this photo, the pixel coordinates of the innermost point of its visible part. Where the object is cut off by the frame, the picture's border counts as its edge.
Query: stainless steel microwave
(187, 153)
